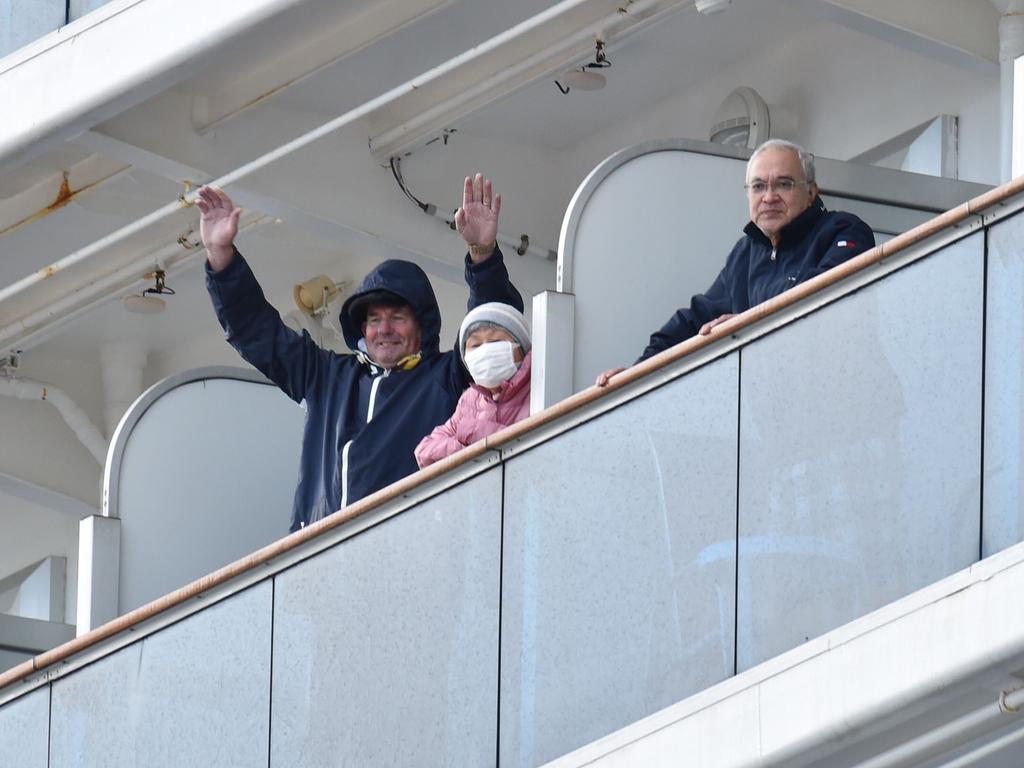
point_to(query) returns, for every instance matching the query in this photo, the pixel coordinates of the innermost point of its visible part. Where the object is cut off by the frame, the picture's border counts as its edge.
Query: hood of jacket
(407, 280)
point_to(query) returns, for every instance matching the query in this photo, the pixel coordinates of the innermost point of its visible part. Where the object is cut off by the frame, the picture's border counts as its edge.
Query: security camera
(708, 7)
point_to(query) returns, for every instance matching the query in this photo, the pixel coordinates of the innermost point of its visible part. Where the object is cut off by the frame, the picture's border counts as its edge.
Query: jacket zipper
(344, 451)
(344, 474)
(373, 394)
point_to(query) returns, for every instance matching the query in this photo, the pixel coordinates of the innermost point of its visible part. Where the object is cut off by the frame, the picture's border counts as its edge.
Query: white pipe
(331, 126)
(74, 417)
(43, 322)
(953, 734)
(507, 240)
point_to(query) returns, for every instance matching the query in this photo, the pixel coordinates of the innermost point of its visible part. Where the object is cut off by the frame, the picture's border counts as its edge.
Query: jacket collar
(793, 232)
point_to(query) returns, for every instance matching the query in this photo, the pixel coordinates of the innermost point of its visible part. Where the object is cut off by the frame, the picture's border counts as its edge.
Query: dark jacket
(815, 241)
(362, 422)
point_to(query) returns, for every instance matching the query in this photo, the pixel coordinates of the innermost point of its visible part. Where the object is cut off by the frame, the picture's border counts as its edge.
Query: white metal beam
(44, 497)
(330, 33)
(54, 192)
(156, 44)
(547, 43)
(331, 232)
(953, 32)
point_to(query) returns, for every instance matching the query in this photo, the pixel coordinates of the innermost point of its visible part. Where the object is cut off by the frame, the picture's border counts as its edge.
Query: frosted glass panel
(386, 646)
(24, 730)
(619, 564)
(22, 21)
(1004, 387)
(194, 694)
(860, 453)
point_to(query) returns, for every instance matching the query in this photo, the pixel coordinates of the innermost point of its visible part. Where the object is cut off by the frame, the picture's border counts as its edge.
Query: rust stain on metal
(64, 196)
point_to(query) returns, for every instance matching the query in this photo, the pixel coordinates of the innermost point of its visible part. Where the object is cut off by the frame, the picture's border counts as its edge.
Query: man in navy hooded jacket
(790, 238)
(365, 412)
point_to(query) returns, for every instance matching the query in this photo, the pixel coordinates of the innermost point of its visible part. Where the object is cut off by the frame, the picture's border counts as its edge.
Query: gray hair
(806, 158)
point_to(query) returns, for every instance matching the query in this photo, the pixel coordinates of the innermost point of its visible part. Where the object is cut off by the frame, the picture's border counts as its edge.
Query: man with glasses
(790, 239)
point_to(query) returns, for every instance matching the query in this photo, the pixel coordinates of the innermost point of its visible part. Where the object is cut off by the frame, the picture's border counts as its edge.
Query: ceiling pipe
(36, 327)
(1011, 47)
(73, 415)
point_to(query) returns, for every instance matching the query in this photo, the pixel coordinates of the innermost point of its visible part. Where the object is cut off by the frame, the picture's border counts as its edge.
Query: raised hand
(218, 225)
(477, 219)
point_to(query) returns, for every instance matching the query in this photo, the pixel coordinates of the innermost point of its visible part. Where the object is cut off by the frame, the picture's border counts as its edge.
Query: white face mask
(492, 363)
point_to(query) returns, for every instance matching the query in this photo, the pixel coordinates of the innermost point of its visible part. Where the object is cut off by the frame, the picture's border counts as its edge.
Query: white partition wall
(202, 471)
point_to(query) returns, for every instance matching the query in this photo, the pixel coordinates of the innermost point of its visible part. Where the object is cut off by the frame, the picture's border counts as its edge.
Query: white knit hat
(502, 315)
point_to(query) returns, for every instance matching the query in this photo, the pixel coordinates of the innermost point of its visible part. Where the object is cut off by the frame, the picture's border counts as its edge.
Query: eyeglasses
(784, 185)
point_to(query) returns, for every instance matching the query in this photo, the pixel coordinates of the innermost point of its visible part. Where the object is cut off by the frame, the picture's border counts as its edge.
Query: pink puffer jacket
(479, 413)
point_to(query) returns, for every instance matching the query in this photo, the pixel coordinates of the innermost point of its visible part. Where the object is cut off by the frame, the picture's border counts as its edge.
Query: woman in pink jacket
(495, 345)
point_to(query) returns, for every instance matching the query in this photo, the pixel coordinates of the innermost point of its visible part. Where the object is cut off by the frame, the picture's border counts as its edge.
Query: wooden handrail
(558, 410)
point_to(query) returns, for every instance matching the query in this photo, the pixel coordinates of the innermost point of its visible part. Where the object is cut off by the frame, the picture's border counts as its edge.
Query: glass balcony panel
(1004, 387)
(24, 730)
(386, 646)
(619, 566)
(860, 453)
(194, 694)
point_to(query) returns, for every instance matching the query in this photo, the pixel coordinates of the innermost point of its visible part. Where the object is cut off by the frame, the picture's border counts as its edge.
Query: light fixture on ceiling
(742, 120)
(149, 302)
(313, 296)
(585, 78)
(708, 7)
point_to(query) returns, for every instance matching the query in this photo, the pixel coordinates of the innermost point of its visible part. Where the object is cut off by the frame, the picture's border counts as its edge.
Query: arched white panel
(202, 471)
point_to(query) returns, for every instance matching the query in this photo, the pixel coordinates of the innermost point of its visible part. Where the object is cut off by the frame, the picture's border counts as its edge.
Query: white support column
(553, 341)
(1011, 48)
(99, 561)
(1017, 163)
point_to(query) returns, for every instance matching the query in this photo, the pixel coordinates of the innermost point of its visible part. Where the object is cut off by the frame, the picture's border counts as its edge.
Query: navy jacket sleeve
(255, 329)
(852, 237)
(704, 307)
(489, 281)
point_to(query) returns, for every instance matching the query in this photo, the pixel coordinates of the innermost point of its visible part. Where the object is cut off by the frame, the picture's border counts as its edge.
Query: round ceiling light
(582, 80)
(144, 305)
(742, 120)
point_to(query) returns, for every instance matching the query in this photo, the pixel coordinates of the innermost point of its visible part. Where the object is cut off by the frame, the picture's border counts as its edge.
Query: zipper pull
(772, 257)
